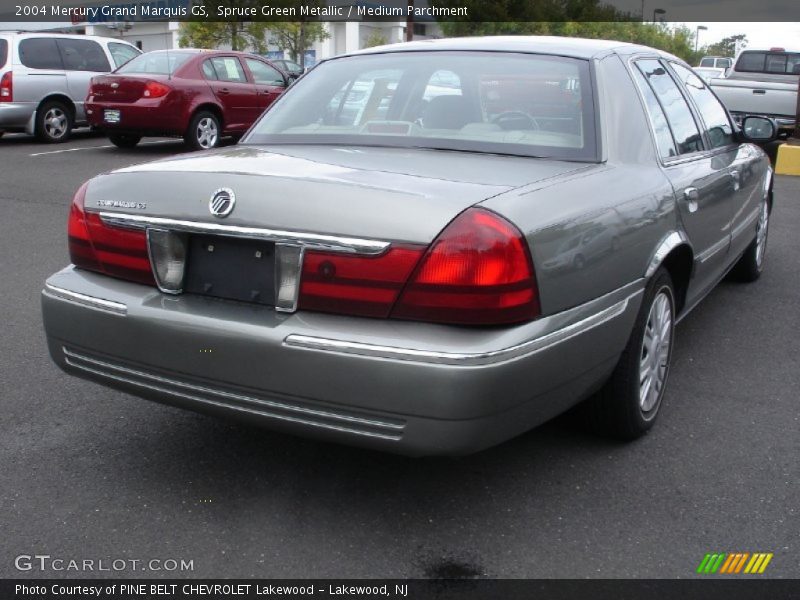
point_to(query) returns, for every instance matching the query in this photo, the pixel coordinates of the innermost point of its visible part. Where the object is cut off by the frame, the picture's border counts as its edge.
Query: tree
(727, 46)
(297, 37)
(376, 38)
(235, 34)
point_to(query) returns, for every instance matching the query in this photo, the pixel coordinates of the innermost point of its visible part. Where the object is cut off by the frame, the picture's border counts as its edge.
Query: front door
(269, 82)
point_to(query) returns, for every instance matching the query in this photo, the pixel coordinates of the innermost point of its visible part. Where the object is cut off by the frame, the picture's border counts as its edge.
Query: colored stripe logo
(734, 563)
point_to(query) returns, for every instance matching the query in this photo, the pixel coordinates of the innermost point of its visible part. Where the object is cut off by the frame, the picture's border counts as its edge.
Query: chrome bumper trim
(259, 406)
(118, 308)
(533, 346)
(306, 240)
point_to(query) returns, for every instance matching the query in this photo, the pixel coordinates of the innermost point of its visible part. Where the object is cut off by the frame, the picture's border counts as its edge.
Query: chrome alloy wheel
(207, 132)
(654, 359)
(761, 234)
(56, 123)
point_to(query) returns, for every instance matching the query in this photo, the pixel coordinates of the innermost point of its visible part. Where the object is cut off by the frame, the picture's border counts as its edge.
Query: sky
(759, 35)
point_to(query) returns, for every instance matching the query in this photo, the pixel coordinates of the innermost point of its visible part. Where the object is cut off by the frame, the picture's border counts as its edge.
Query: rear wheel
(204, 131)
(122, 140)
(629, 403)
(54, 122)
(751, 264)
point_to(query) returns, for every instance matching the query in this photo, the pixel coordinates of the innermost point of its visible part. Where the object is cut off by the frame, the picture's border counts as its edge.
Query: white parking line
(100, 147)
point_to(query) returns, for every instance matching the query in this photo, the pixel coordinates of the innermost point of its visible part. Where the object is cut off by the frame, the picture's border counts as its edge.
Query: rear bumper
(403, 387)
(144, 117)
(16, 115)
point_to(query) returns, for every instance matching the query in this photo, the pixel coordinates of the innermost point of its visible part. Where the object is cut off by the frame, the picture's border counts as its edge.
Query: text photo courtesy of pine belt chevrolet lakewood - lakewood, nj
(368, 299)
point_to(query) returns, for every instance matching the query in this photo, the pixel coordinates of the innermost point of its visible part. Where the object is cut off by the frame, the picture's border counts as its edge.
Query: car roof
(70, 36)
(534, 44)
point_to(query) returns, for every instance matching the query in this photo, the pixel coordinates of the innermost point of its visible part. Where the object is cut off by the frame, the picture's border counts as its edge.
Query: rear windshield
(3, 52)
(493, 102)
(781, 63)
(158, 63)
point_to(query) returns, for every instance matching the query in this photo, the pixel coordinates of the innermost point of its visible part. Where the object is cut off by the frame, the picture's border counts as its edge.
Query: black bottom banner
(505, 589)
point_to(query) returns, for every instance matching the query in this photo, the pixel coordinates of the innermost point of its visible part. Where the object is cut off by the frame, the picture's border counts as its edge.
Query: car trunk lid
(387, 194)
(120, 88)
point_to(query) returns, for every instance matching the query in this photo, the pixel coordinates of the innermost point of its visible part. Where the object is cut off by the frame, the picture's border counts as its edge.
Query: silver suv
(44, 79)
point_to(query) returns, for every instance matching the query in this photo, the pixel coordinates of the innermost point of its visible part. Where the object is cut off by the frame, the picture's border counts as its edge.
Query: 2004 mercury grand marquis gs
(426, 248)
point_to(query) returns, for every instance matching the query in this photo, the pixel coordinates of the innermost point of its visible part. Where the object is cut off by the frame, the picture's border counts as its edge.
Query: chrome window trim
(314, 241)
(526, 348)
(117, 308)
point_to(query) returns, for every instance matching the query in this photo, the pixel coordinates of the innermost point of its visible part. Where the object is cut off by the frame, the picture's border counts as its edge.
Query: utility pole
(410, 21)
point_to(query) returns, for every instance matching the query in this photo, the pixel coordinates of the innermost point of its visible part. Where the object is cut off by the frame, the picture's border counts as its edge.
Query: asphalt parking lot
(89, 473)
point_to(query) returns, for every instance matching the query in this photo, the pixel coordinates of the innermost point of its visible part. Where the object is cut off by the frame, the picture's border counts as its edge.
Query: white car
(709, 73)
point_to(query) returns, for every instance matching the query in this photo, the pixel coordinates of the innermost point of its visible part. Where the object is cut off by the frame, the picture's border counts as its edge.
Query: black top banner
(92, 11)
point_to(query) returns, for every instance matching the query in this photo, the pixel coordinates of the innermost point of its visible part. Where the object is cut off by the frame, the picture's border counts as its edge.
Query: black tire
(54, 122)
(618, 410)
(751, 264)
(123, 140)
(193, 136)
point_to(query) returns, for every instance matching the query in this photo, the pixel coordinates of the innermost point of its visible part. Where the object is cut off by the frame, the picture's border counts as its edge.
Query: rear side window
(122, 53)
(40, 53)
(679, 115)
(3, 52)
(707, 62)
(780, 63)
(83, 55)
(719, 128)
(228, 68)
(208, 71)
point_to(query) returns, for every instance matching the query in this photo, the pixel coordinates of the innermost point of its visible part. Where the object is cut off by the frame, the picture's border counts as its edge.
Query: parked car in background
(409, 279)
(289, 66)
(709, 73)
(200, 95)
(764, 83)
(44, 78)
(716, 62)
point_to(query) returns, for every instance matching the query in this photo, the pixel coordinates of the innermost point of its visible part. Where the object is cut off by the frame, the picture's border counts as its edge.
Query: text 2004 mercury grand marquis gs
(426, 248)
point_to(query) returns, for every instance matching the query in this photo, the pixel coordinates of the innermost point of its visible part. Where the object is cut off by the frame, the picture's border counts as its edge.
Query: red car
(197, 94)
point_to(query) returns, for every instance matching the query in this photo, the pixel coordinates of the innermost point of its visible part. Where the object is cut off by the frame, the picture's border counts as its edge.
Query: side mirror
(759, 130)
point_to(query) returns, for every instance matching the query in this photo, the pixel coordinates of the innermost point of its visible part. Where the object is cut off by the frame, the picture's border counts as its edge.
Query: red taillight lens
(478, 271)
(7, 87)
(95, 246)
(154, 89)
(356, 285)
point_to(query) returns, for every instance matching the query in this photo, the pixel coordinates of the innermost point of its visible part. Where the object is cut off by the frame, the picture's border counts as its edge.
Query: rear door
(234, 91)
(82, 60)
(700, 178)
(270, 83)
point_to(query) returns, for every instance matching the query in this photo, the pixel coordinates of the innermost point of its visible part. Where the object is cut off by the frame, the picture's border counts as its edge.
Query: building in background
(344, 36)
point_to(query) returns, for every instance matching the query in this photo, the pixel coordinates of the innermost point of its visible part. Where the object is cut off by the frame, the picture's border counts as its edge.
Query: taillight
(478, 271)
(96, 246)
(154, 89)
(7, 87)
(356, 285)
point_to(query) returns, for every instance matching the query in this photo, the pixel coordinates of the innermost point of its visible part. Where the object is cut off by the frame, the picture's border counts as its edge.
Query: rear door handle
(691, 195)
(759, 91)
(224, 91)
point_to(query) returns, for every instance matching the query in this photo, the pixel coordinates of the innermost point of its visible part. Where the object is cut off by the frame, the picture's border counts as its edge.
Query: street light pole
(697, 36)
